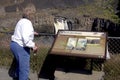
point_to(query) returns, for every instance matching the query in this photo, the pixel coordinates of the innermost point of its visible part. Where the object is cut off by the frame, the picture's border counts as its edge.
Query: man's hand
(35, 33)
(35, 49)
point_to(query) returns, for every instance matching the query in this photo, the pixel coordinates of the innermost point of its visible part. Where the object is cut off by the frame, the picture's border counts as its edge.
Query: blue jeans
(22, 56)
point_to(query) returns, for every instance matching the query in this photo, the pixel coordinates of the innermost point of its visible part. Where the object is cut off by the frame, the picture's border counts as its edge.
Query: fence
(114, 45)
(111, 66)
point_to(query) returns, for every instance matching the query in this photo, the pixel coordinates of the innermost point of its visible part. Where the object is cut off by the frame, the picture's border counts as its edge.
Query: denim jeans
(22, 56)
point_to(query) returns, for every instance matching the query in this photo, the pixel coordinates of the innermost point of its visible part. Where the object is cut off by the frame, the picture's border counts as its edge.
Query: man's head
(29, 11)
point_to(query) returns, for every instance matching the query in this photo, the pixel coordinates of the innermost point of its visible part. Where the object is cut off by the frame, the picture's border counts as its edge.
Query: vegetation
(101, 9)
(38, 59)
(6, 56)
(112, 69)
(36, 62)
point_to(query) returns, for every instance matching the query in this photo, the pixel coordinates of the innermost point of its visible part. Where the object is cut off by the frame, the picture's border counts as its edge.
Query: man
(22, 42)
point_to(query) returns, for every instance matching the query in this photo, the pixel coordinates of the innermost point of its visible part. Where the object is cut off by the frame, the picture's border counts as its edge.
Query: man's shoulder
(24, 20)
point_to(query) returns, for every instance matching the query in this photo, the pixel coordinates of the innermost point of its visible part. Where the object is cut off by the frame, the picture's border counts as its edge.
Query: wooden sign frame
(80, 44)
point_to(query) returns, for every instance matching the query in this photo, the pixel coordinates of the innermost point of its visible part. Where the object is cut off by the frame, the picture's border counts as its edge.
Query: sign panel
(80, 43)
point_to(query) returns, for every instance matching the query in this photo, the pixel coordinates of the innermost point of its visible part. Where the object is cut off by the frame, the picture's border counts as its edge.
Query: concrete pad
(4, 75)
(96, 75)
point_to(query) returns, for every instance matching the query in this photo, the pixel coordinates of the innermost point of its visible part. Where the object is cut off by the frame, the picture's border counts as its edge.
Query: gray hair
(28, 10)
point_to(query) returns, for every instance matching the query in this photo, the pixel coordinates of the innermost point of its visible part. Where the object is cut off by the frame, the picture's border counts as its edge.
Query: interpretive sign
(80, 43)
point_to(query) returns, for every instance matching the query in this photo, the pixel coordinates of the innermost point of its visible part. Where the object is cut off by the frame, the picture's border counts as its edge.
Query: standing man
(22, 42)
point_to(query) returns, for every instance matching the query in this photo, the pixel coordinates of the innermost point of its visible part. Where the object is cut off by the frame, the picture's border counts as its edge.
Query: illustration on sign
(81, 44)
(71, 43)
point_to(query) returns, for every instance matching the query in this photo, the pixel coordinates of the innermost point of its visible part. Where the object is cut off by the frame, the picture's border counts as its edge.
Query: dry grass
(112, 68)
